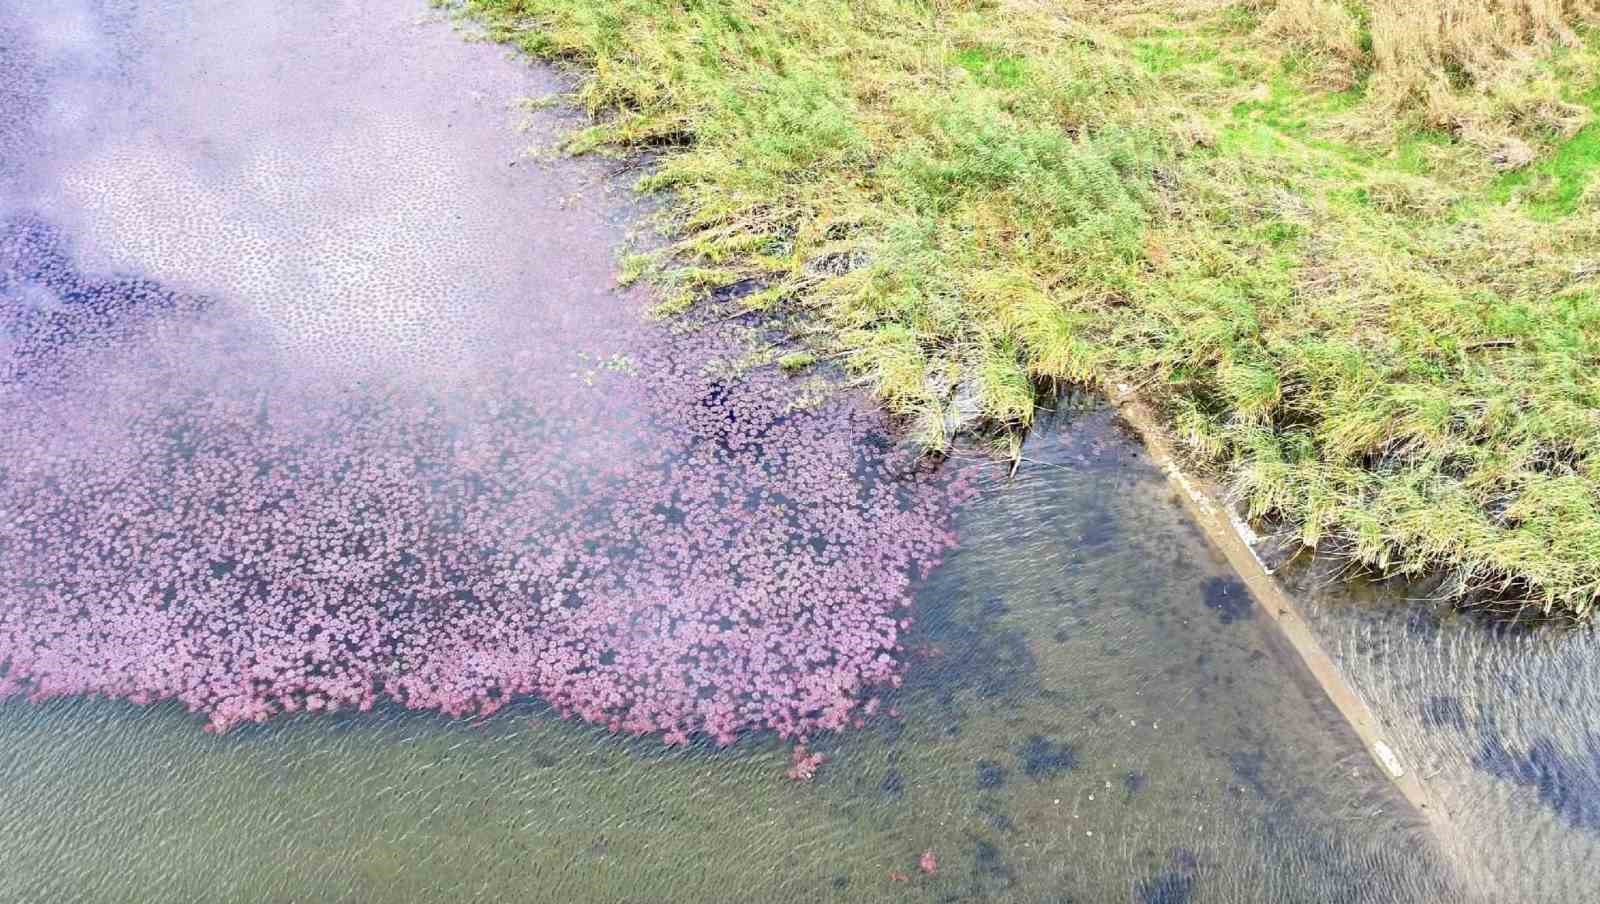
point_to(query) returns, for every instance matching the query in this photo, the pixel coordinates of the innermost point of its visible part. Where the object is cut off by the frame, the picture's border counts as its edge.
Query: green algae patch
(1331, 288)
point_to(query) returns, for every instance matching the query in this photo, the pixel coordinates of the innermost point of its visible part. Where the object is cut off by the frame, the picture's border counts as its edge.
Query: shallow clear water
(1091, 708)
(1502, 720)
(1077, 724)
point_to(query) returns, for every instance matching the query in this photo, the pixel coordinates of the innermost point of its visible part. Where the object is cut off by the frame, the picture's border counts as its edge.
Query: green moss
(991, 68)
(1166, 56)
(1279, 232)
(1411, 149)
(797, 361)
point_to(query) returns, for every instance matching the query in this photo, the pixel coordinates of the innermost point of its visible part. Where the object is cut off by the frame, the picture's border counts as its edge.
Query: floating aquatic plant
(189, 514)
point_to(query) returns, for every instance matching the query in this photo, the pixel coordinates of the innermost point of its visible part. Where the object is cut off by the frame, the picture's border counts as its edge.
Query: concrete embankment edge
(1233, 538)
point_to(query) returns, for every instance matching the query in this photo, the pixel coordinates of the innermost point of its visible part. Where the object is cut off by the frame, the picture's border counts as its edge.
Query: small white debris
(1387, 757)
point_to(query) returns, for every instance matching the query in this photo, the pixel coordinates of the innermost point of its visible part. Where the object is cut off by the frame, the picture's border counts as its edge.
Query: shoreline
(1229, 535)
(968, 208)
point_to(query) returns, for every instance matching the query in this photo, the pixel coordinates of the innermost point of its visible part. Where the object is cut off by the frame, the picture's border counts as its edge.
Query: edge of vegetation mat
(1350, 249)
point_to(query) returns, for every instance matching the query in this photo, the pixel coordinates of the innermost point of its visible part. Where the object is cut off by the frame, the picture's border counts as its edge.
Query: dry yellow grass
(1420, 40)
(1323, 30)
(1472, 67)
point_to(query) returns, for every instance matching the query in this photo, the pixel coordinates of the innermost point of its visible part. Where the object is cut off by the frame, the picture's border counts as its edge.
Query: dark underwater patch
(1569, 784)
(973, 650)
(1132, 784)
(893, 784)
(1229, 598)
(1444, 711)
(1174, 885)
(1247, 767)
(990, 774)
(989, 869)
(1041, 757)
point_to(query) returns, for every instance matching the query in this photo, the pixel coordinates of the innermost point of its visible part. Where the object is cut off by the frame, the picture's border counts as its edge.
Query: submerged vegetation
(1350, 247)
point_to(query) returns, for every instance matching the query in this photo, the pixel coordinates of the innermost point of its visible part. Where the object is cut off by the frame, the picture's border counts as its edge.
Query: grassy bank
(1351, 249)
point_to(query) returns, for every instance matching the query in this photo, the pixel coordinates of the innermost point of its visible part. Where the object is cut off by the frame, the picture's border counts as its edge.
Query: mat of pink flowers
(642, 544)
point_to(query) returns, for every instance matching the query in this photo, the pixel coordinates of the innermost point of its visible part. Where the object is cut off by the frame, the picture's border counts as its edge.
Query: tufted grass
(1374, 311)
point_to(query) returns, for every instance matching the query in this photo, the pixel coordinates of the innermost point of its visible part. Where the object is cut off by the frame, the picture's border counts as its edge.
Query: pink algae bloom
(803, 765)
(653, 549)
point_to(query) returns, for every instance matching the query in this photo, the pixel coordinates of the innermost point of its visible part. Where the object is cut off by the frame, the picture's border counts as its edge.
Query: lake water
(318, 382)
(1501, 719)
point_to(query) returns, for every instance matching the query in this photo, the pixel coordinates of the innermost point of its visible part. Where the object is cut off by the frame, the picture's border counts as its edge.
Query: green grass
(1554, 187)
(984, 199)
(991, 68)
